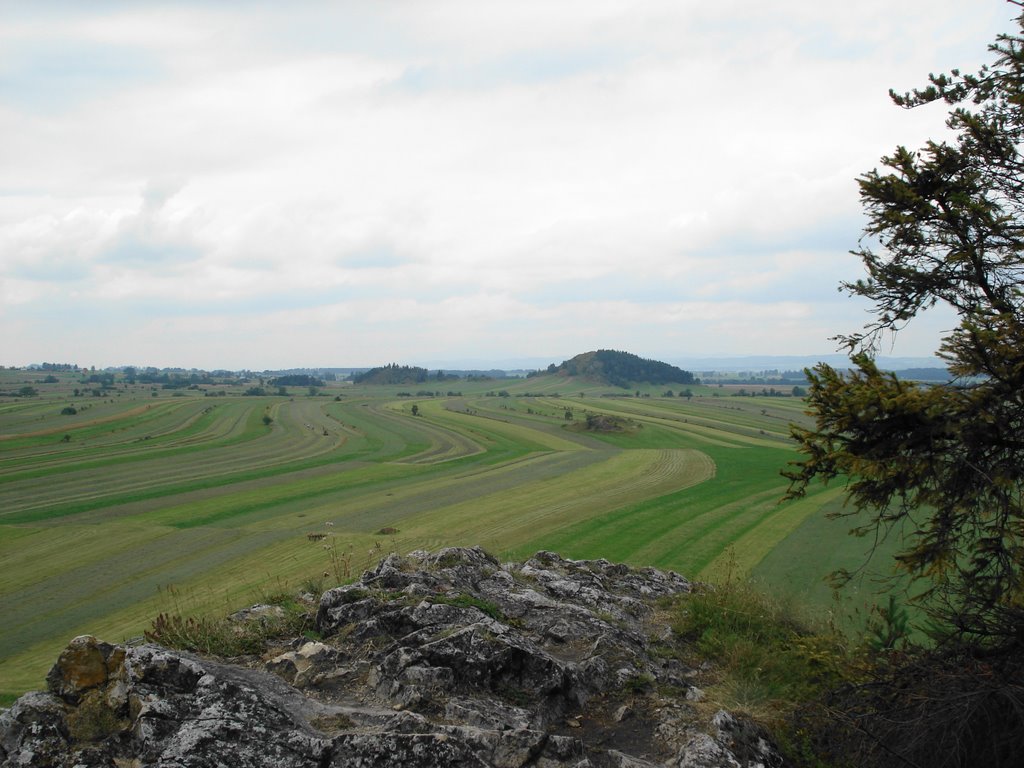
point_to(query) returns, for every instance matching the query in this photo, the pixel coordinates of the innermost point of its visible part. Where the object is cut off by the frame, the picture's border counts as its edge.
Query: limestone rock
(449, 658)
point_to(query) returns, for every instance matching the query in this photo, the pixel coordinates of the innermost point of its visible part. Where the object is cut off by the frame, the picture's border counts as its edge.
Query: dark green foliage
(939, 467)
(602, 422)
(937, 708)
(621, 369)
(68, 410)
(296, 380)
(468, 601)
(392, 374)
(942, 466)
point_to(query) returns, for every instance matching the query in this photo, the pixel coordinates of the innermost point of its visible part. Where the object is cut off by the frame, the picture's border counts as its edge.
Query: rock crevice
(445, 659)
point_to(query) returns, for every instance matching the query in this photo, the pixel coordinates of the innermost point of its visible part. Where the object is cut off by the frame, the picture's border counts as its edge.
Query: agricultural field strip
(799, 564)
(732, 421)
(387, 441)
(111, 425)
(504, 519)
(710, 532)
(203, 497)
(738, 417)
(56, 425)
(225, 502)
(226, 426)
(383, 507)
(723, 434)
(285, 444)
(751, 548)
(55, 605)
(536, 436)
(137, 558)
(346, 488)
(444, 444)
(685, 530)
(372, 510)
(505, 424)
(549, 425)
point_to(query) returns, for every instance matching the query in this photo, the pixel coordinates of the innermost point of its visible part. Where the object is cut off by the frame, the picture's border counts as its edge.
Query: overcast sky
(270, 185)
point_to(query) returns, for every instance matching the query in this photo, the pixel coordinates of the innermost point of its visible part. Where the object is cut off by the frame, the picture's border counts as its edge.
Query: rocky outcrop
(433, 659)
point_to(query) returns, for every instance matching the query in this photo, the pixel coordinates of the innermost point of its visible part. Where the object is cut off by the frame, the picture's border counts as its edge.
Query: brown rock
(80, 666)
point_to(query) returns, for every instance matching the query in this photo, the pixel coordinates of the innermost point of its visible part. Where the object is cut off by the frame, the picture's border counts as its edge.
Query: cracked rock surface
(433, 659)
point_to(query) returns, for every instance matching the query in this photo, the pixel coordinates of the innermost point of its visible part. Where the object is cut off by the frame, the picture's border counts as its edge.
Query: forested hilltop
(392, 374)
(621, 369)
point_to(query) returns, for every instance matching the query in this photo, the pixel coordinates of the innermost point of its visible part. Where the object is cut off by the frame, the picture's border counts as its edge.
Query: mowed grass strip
(444, 444)
(800, 563)
(286, 449)
(503, 521)
(534, 487)
(111, 557)
(216, 573)
(130, 417)
(213, 427)
(715, 433)
(371, 508)
(494, 424)
(749, 550)
(688, 529)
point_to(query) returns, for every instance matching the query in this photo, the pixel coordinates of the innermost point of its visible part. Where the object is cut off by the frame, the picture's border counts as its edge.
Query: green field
(147, 500)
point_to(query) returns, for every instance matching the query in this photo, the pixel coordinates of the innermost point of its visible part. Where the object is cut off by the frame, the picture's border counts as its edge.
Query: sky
(323, 184)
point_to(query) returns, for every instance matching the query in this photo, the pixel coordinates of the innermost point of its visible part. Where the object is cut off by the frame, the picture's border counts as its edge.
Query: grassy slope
(219, 507)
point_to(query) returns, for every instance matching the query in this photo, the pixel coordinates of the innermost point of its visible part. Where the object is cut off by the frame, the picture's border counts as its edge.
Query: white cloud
(452, 178)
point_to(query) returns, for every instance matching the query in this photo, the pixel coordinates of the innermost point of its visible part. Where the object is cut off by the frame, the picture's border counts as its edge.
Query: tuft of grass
(770, 660)
(333, 723)
(224, 637)
(468, 601)
(639, 684)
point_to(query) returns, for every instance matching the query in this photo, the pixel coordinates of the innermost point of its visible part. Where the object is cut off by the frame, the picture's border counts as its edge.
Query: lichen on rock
(449, 658)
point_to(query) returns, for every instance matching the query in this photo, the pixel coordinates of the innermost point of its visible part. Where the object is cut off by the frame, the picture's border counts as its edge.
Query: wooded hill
(621, 369)
(392, 374)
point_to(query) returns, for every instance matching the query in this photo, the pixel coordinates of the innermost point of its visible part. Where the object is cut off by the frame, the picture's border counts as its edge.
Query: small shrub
(639, 684)
(468, 601)
(68, 410)
(223, 637)
(770, 659)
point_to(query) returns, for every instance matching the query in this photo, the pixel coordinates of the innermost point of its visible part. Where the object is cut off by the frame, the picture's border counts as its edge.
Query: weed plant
(769, 658)
(226, 637)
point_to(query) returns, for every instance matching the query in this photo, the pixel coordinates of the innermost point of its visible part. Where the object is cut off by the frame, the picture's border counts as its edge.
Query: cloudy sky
(269, 185)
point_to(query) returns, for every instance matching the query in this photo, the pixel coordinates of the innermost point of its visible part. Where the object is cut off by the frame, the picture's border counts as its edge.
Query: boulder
(449, 658)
